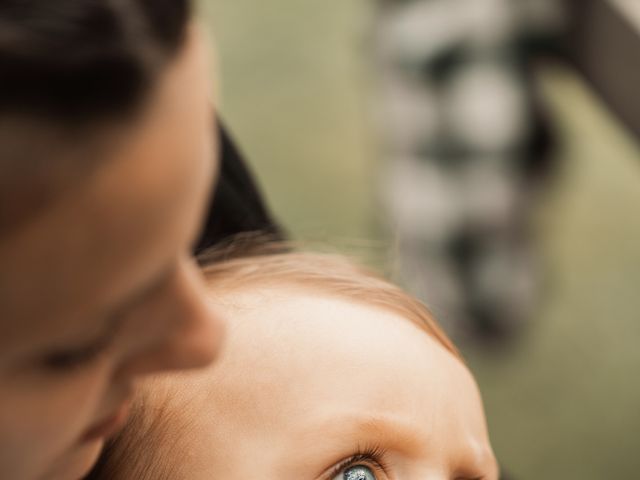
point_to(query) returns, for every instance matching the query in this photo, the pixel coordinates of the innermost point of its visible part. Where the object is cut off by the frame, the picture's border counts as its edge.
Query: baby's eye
(358, 472)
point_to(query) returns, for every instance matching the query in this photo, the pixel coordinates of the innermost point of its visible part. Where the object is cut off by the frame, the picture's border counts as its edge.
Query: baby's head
(329, 372)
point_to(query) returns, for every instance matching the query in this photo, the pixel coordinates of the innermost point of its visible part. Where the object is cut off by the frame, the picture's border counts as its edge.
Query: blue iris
(358, 472)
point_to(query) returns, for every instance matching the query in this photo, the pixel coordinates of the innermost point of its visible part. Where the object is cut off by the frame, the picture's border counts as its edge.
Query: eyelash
(63, 361)
(372, 456)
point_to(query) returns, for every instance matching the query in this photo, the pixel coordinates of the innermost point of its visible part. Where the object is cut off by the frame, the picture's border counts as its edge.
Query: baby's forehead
(304, 371)
(276, 323)
(288, 351)
(292, 305)
(299, 327)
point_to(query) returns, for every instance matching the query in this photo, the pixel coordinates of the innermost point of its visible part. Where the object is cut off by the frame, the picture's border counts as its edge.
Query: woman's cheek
(33, 433)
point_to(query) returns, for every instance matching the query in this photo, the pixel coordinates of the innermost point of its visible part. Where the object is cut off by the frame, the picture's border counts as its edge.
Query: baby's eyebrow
(324, 441)
(389, 430)
(386, 431)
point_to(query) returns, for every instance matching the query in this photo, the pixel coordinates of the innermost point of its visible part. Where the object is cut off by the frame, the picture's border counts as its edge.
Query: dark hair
(67, 66)
(78, 60)
(238, 217)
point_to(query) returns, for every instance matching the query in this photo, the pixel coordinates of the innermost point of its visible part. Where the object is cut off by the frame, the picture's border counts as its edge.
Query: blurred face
(323, 389)
(100, 288)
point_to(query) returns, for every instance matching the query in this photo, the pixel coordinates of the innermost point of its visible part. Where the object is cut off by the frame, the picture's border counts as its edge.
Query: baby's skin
(315, 386)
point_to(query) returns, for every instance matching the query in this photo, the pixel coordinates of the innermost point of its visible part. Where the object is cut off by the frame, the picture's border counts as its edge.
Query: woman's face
(316, 388)
(100, 288)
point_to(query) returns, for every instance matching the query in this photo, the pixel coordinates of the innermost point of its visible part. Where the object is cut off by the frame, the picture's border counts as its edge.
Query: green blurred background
(563, 401)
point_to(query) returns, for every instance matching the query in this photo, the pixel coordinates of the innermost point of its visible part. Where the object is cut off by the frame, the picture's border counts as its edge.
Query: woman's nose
(193, 330)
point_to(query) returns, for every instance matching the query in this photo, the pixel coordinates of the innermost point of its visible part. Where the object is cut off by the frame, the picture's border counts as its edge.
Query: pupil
(358, 473)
